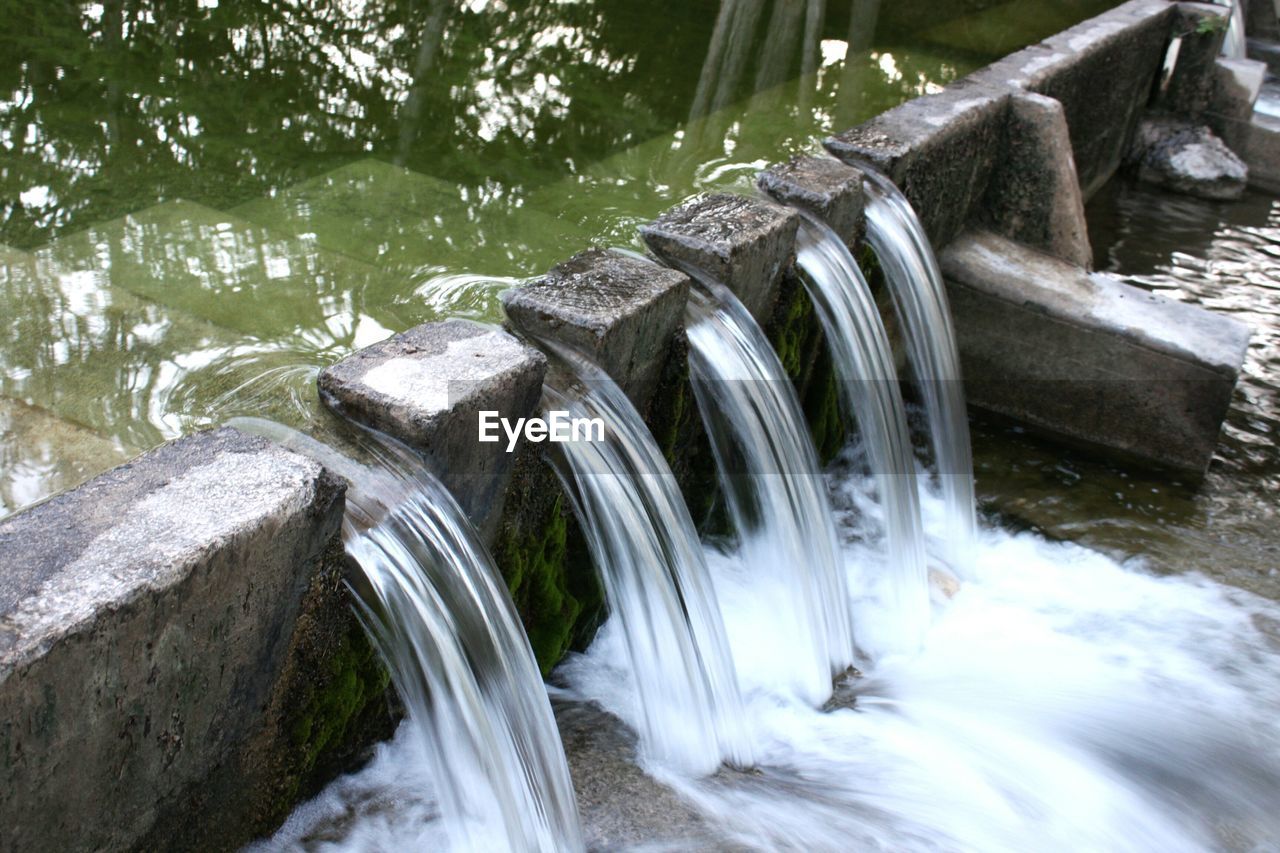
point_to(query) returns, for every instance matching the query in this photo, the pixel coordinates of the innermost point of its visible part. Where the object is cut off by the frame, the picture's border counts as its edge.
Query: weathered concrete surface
(619, 310)
(147, 623)
(1103, 72)
(1188, 158)
(1034, 194)
(1262, 19)
(745, 244)
(939, 149)
(1262, 152)
(1252, 134)
(620, 805)
(824, 187)
(1198, 33)
(427, 387)
(1088, 357)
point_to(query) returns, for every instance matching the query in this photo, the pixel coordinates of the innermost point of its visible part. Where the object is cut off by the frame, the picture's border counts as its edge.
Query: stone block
(1088, 357)
(427, 386)
(1198, 33)
(619, 310)
(1103, 72)
(1261, 151)
(745, 244)
(939, 149)
(1034, 193)
(825, 188)
(1236, 86)
(1262, 19)
(146, 621)
(1188, 158)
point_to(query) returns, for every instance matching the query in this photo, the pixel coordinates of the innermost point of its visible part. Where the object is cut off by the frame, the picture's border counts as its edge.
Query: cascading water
(920, 299)
(440, 617)
(780, 506)
(871, 398)
(656, 579)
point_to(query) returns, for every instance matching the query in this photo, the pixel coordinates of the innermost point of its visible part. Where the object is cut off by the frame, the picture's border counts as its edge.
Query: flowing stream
(920, 299)
(656, 580)
(772, 482)
(872, 399)
(477, 715)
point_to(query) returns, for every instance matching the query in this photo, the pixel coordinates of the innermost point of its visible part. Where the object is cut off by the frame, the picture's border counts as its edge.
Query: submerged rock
(1189, 159)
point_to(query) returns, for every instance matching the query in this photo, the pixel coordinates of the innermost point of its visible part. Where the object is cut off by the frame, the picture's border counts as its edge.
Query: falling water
(872, 398)
(656, 578)
(444, 624)
(920, 298)
(772, 482)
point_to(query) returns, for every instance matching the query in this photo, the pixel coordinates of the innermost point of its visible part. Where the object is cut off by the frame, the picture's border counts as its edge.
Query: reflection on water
(1225, 256)
(216, 199)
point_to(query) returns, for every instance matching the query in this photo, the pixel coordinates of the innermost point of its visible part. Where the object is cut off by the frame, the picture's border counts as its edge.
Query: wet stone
(619, 310)
(939, 149)
(1189, 159)
(112, 598)
(742, 243)
(823, 187)
(1088, 357)
(427, 386)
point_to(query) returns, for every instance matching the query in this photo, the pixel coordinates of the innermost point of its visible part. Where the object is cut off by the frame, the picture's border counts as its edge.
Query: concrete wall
(164, 681)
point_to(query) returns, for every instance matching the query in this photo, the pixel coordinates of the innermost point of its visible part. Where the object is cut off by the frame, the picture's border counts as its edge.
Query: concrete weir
(178, 660)
(173, 635)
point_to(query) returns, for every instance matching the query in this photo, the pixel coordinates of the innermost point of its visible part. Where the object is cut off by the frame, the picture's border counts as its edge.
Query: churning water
(920, 300)
(1060, 702)
(656, 580)
(478, 721)
(871, 398)
(773, 484)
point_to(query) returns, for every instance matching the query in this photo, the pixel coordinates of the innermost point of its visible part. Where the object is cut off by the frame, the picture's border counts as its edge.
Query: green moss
(677, 411)
(792, 328)
(351, 679)
(822, 408)
(535, 567)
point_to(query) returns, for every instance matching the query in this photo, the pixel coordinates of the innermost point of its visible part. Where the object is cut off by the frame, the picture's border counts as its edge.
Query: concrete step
(423, 230)
(1088, 357)
(237, 275)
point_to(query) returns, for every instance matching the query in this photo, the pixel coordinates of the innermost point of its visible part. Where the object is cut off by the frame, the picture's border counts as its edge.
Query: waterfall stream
(920, 299)
(656, 579)
(772, 482)
(872, 399)
(444, 624)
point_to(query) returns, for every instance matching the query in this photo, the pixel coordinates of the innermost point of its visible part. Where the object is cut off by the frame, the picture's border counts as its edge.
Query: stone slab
(618, 309)
(939, 149)
(1103, 71)
(1034, 193)
(144, 618)
(1088, 357)
(823, 186)
(427, 386)
(743, 243)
